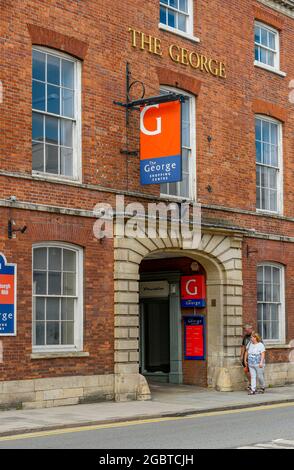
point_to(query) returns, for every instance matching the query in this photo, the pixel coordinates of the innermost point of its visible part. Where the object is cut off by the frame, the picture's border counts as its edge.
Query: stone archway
(221, 256)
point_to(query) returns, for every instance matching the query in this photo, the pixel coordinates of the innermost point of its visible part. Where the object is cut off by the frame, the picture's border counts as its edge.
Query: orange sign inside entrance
(160, 128)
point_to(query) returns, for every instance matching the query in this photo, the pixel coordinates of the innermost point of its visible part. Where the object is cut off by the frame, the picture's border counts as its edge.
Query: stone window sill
(177, 32)
(57, 355)
(278, 346)
(269, 69)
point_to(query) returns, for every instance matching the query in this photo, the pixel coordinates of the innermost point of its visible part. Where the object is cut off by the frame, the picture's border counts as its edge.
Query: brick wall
(99, 37)
(98, 297)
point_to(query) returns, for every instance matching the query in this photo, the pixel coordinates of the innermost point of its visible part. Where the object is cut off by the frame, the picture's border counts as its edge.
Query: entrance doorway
(155, 338)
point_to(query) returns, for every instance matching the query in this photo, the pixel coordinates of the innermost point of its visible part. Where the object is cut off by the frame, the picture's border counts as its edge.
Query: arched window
(56, 127)
(57, 297)
(271, 302)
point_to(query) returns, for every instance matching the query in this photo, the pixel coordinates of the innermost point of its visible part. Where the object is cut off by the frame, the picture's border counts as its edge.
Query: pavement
(168, 400)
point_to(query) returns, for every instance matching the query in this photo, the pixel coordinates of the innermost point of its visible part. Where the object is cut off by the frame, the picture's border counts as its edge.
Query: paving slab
(167, 400)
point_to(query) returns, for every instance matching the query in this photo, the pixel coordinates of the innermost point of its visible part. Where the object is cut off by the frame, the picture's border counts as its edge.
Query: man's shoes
(251, 392)
(261, 390)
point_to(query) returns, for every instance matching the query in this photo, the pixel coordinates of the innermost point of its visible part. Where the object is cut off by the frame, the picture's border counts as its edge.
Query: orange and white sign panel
(160, 142)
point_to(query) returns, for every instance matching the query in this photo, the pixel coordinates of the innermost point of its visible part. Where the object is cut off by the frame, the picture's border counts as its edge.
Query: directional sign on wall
(7, 298)
(194, 339)
(193, 291)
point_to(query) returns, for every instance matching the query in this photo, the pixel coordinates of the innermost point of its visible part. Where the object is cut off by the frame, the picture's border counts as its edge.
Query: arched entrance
(220, 256)
(165, 348)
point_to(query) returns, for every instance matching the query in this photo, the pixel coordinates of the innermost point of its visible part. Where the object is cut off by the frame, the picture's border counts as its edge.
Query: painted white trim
(280, 182)
(268, 68)
(276, 52)
(77, 120)
(190, 22)
(192, 181)
(282, 324)
(79, 319)
(167, 28)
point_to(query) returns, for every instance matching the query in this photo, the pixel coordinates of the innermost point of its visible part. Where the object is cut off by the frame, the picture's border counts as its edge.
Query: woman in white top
(255, 360)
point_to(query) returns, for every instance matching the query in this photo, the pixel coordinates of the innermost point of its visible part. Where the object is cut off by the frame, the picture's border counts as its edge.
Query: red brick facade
(226, 167)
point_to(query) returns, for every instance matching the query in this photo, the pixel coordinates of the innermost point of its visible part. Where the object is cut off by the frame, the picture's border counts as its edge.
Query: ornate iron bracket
(131, 105)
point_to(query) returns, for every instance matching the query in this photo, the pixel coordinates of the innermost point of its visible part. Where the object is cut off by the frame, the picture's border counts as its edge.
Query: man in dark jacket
(248, 329)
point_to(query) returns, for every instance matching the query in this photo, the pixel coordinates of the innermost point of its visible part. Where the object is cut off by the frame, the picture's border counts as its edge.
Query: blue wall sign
(194, 338)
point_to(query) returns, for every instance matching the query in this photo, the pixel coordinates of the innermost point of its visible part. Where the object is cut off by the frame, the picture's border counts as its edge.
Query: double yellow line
(58, 432)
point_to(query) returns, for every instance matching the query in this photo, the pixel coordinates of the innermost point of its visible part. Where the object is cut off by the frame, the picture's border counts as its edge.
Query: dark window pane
(263, 56)
(163, 188)
(259, 313)
(258, 129)
(53, 70)
(260, 292)
(66, 133)
(174, 3)
(67, 309)
(275, 330)
(51, 159)
(52, 311)
(39, 308)
(38, 130)
(257, 53)
(67, 74)
(67, 332)
(52, 333)
(272, 40)
(54, 283)
(40, 258)
(172, 19)
(39, 66)
(257, 34)
(67, 103)
(53, 99)
(182, 22)
(54, 259)
(273, 200)
(258, 152)
(66, 162)
(163, 15)
(39, 96)
(38, 157)
(264, 40)
(69, 284)
(40, 287)
(69, 260)
(51, 130)
(183, 5)
(40, 333)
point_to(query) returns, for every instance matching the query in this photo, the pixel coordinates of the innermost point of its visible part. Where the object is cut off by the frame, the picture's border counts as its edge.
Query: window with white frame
(186, 187)
(267, 46)
(270, 302)
(268, 141)
(57, 297)
(56, 122)
(177, 14)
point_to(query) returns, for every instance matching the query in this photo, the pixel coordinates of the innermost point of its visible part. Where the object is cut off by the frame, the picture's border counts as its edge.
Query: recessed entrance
(155, 340)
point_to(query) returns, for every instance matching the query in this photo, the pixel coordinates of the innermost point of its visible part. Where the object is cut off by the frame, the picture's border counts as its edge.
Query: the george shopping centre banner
(160, 143)
(7, 298)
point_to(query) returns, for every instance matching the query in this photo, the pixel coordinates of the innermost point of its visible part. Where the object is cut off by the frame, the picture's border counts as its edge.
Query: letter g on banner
(145, 131)
(193, 289)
